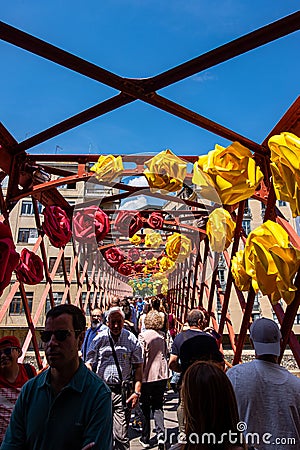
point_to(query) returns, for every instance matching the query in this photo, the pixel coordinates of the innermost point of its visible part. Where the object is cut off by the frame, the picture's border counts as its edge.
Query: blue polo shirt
(81, 413)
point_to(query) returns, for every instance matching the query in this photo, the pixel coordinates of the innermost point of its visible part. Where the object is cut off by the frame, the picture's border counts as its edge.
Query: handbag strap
(115, 358)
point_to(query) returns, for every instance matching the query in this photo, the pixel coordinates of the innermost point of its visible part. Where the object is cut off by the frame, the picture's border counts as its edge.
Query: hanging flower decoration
(178, 247)
(125, 269)
(108, 167)
(220, 229)
(232, 170)
(9, 258)
(285, 168)
(270, 262)
(206, 185)
(128, 223)
(167, 265)
(241, 278)
(156, 220)
(114, 256)
(165, 172)
(138, 268)
(30, 269)
(149, 255)
(90, 224)
(135, 240)
(134, 254)
(151, 263)
(57, 226)
(153, 240)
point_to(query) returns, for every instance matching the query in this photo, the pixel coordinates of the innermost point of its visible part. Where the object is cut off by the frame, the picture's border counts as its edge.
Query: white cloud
(138, 181)
(205, 76)
(135, 203)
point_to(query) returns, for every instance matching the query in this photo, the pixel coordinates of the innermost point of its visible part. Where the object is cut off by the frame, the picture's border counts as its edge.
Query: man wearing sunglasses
(12, 377)
(66, 406)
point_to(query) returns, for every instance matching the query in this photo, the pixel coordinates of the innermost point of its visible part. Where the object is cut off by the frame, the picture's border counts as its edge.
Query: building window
(16, 306)
(27, 235)
(27, 208)
(57, 297)
(247, 226)
(256, 304)
(60, 267)
(281, 203)
(67, 186)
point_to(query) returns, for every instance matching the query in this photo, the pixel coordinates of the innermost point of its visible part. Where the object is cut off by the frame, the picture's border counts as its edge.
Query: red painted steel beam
(235, 246)
(201, 121)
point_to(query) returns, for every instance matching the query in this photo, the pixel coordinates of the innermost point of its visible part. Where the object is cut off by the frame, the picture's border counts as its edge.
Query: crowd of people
(118, 370)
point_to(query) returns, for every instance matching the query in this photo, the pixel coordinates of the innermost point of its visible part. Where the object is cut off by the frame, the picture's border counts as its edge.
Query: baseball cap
(10, 340)
(266, 336)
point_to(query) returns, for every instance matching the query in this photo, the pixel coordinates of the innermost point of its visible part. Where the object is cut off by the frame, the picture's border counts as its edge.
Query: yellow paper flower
(158, 276)
(151, 263)
(166, 265)
(285, 168)
(165, 172)
(206, 185)
(153, 240)
(232, 170)
(138, 261)
(145, 270)
(178, 247)
(241, 278)
(108, 167)
(220, 229)
(135, 240)
(164, 290)
(271, 262)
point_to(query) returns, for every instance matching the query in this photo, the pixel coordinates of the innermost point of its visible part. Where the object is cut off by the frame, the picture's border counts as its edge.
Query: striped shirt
(128, 352)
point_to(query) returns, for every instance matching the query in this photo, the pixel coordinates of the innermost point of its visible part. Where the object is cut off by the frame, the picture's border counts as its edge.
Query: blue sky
(132, 38)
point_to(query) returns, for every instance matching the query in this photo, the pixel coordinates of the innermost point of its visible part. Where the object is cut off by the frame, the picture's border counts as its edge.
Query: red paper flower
(138, 268)
(125, 269)
(128, 222)
(9, 258)
(30, 268)
(114, 256)
(134, 254)
(149, 255)
(156, 220)
(57, 226)
(90, 225)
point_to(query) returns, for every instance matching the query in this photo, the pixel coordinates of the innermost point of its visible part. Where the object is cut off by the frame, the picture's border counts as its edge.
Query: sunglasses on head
(7, 351)
(60, 335)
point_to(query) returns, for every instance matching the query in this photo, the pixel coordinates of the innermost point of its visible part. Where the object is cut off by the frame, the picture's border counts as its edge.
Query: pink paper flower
(128, 222)
(125, 269)
(114, 256)
(90, 225)
(134, 254)
(30, 269)
(156, 220)
(57, 226)
(9, 258)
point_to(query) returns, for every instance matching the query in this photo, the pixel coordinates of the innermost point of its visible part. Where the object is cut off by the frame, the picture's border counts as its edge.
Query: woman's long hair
(209, 407)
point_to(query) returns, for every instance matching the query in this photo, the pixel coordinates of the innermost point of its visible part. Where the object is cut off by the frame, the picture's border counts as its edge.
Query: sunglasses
(60, 335)
(7, 351)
